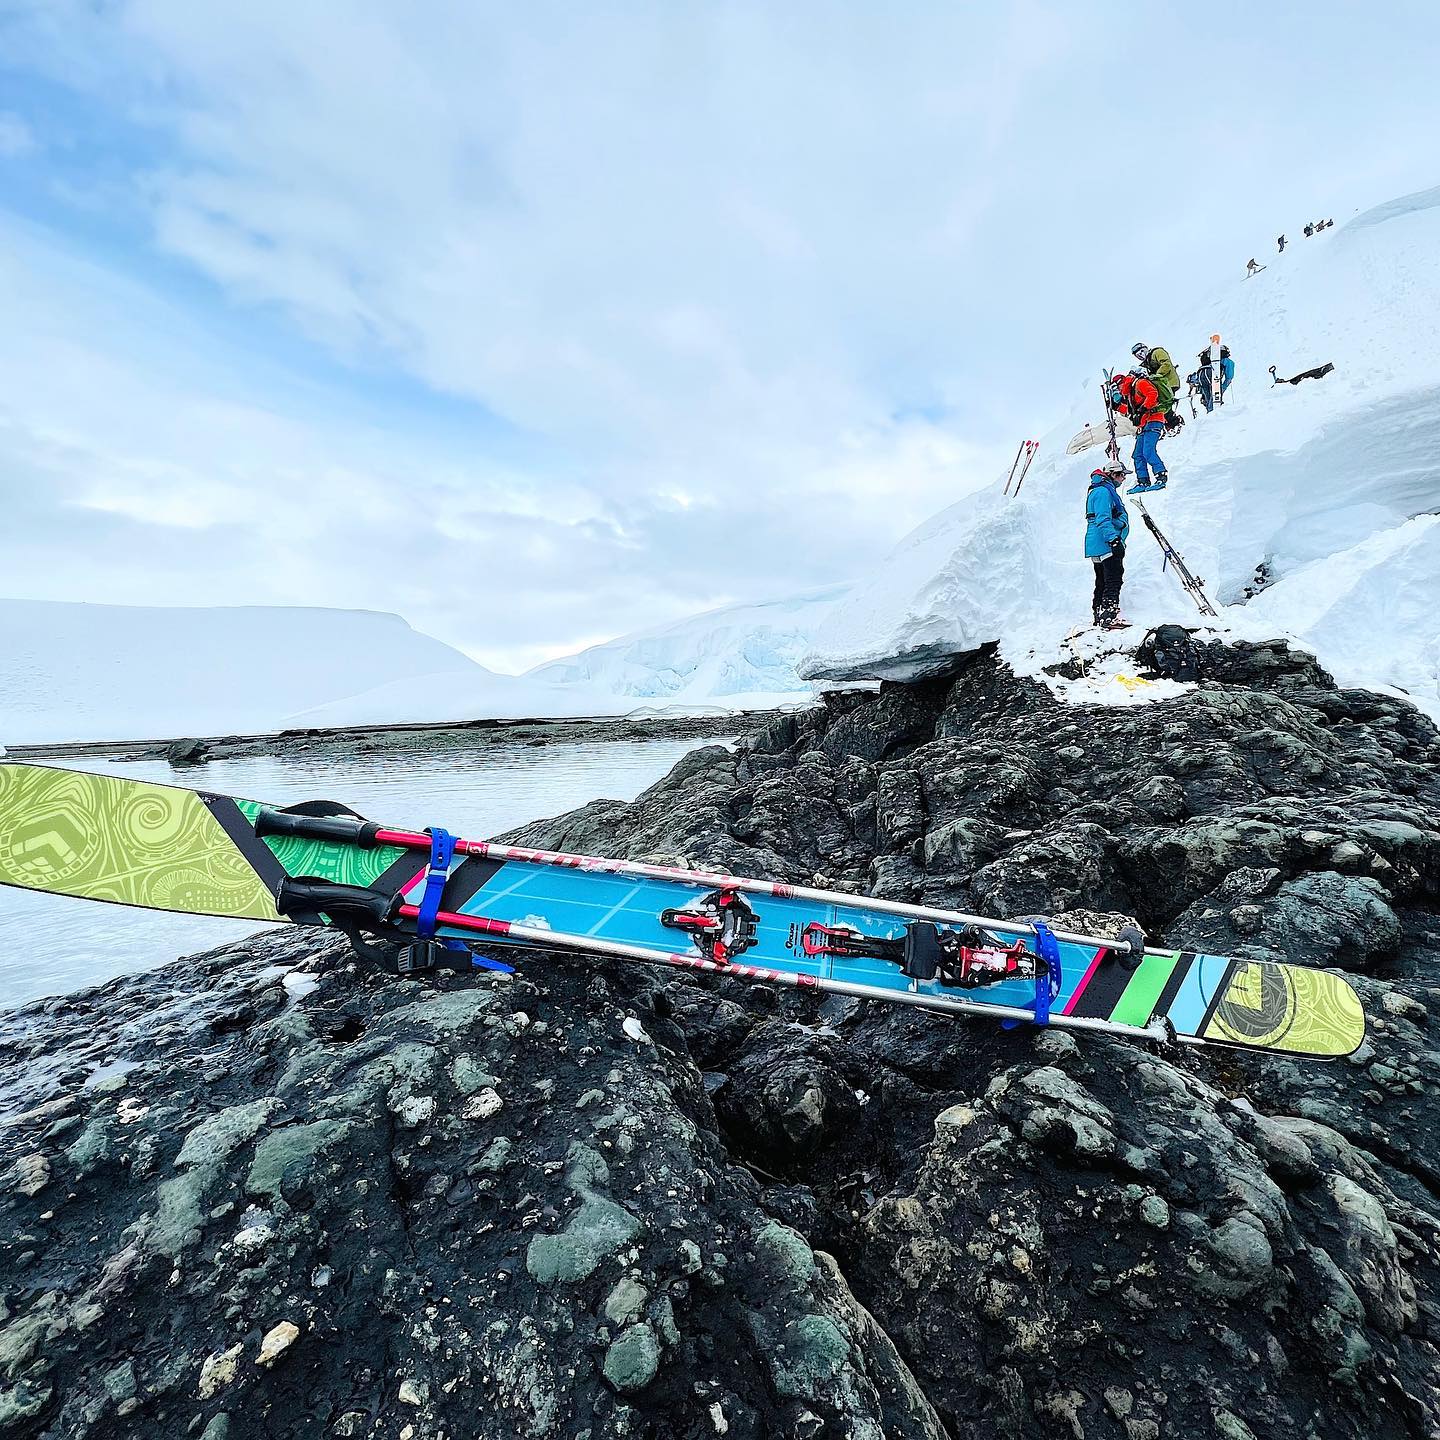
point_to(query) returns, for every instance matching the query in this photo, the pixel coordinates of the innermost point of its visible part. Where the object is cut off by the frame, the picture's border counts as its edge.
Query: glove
(1117, 549)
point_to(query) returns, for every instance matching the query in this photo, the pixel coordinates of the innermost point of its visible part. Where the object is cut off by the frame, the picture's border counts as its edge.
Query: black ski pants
(1109, 577)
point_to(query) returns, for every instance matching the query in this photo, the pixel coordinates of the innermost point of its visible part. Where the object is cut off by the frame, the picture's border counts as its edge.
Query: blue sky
(539, 324)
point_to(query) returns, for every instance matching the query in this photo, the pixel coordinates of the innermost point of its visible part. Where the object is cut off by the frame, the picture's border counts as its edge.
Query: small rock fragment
(633, 1359)
(482, 1105)
(218, 1371)
(276, 1342)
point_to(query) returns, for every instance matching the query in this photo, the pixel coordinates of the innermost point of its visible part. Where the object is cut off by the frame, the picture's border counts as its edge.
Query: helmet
(1139, 349)
(1109, 467)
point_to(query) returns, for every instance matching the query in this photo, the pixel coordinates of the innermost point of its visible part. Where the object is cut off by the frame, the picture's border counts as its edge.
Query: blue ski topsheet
(627, 909)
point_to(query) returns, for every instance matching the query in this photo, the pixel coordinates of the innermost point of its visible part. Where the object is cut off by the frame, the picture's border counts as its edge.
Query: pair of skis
(1191, 583)
(414, 900)
(1112, 446)
(1023, 456)
(1217, 372)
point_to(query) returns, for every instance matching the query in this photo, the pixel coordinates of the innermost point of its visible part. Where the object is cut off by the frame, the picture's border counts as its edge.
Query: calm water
(52, 944)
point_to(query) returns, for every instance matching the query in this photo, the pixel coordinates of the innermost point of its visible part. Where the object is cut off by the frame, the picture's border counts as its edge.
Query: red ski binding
(721, 924)
(964, 959)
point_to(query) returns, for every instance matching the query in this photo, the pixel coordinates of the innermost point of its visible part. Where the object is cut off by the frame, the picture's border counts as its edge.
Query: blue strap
(442, 851)
(481, 962)
(1047, 985)
(442, 848)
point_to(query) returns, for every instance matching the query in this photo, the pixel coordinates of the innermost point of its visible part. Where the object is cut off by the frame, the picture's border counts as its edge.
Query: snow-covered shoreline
(111, 675)
(527, 730)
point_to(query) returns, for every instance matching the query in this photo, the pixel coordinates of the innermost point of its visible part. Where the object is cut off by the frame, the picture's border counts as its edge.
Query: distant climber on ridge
(1137, 397)
(1309, 231)
(1281, 244)
(1251, 268)
(1107, 526)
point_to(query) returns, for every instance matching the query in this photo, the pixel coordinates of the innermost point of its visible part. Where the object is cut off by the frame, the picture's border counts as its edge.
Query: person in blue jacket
(1107, 526)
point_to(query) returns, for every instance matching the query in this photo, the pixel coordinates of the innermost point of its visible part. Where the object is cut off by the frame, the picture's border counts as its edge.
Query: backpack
(1167, 391)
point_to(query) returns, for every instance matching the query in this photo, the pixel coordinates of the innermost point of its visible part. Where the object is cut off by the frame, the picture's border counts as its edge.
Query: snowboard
(1093, 435)
(131, 842)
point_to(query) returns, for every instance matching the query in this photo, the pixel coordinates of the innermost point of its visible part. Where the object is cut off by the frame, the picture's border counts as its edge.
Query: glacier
(739, 656)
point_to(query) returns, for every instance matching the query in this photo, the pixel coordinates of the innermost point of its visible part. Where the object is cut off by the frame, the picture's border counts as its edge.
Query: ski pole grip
(346, 829)
(357, 904)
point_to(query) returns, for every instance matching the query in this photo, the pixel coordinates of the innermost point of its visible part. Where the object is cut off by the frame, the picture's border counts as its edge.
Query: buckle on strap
(1048, 981)
(442, 850)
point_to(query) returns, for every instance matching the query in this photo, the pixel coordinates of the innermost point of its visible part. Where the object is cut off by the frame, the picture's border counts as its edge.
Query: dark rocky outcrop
(271, 1193)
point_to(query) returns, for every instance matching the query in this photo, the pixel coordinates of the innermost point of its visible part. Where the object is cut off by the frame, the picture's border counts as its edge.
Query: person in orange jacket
(1135, 396)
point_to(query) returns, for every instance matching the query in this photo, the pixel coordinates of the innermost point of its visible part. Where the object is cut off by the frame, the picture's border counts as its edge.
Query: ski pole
(346, 829)
(1014, 464)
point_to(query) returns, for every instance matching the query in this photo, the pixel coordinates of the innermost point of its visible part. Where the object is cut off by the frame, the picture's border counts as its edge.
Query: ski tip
(1290, 1010)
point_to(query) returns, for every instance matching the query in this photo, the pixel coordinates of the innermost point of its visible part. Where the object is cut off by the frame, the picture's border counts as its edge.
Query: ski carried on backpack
(1217, 372)
(414, 900)
(1193, 586)
(1112, 448)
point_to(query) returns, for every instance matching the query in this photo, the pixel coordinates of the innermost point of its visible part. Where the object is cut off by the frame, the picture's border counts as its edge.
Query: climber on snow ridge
(1107, 526)
(1138, 398)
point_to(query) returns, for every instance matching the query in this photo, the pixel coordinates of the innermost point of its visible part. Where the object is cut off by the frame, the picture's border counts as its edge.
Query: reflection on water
(52, 944)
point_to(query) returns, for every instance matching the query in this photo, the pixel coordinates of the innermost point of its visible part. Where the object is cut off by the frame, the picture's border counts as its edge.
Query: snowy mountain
(740, 655)
(1326, 488)
(119, 672)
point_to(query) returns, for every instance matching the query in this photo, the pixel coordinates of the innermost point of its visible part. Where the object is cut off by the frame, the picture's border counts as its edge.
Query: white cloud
(16, 137)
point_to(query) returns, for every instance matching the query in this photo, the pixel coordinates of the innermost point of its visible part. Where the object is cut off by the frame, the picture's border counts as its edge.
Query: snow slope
(119, 672)
(1319, 483)
(740, 655)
